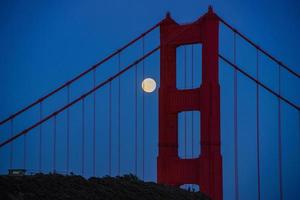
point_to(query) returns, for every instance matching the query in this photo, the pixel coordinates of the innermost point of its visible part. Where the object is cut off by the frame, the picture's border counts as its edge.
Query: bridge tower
(206, 170)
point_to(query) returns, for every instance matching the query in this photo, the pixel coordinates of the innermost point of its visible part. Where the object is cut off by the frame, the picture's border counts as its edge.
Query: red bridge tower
(206, 170)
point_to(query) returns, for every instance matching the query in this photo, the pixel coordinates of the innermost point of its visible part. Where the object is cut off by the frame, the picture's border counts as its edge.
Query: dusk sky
(46, 43)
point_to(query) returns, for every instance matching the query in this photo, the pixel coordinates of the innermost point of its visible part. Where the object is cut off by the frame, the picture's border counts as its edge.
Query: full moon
(148, 85)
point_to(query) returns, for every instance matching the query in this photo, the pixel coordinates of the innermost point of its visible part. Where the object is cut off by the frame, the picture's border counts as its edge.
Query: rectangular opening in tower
(188, 66)
(189, 134)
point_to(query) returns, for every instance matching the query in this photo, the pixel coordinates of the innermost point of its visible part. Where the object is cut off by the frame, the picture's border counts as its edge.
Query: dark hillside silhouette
(54, 186)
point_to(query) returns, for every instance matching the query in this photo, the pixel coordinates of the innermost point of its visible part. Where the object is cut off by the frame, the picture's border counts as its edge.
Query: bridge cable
(135, 117)
(279, 135)
(11, 153)
(24, 151)
(257, 126)
(258, 82)
(280, 98)
(82, 74)
(94, 124)
(25, 131)
(110, 128)
(83, 137)
(192, 78)
(192, 127)
(259, 48)
(235, 124)
(54, 144)
(40, 137)
(68, 130)
(143, 107)
(100, 85)
(185, 115)
(119, 115)
(299, 129)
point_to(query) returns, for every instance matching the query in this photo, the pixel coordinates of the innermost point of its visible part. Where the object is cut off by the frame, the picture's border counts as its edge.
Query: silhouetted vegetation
(61, 187)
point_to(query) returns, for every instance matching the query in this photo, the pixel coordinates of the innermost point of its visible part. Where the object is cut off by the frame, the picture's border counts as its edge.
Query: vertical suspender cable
(192, 127)
(68, 130)
(54, 143)
(40, 138)
(279, 135)
(185, 115)
(119, 116)
(299, 130)
(109, 129)
(257, 127)
(11, 154)
(298, 138)
(143, 108)
(185, 80)
(24, 151)
(82, 139)
(235, 125)
(135, 117)
(94, 124)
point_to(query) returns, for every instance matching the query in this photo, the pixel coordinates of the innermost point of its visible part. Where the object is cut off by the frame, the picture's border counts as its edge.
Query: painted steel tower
(206, 170)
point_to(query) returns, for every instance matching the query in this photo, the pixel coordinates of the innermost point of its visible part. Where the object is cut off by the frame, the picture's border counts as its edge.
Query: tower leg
(206, 170)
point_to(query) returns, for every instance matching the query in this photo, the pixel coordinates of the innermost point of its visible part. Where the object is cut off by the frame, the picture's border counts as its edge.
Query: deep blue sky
(45, 43)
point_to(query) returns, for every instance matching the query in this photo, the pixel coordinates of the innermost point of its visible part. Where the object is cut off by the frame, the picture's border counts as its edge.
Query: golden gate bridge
(204, 169)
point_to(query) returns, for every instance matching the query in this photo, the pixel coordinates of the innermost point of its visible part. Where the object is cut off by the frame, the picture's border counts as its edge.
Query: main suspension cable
(258, 82)
(259, 48)
(79, 98)
(82, 74)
